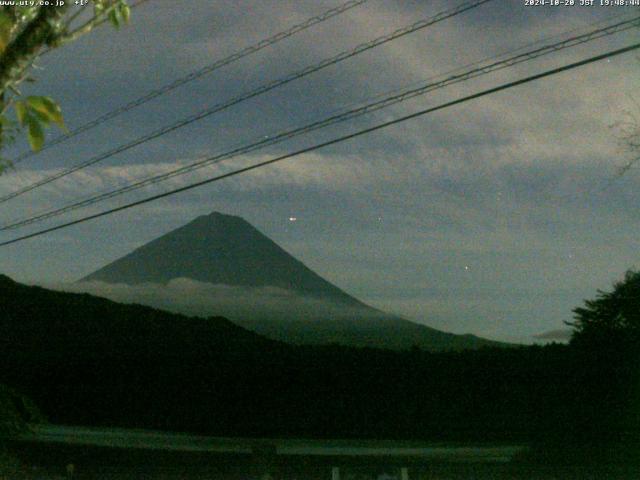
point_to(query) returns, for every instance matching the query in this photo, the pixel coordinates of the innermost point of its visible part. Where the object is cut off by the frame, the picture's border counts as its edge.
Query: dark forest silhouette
(89, 361)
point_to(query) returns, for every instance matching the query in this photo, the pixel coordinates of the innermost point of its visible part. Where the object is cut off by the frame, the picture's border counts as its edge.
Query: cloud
(190, 297)
(555, 335)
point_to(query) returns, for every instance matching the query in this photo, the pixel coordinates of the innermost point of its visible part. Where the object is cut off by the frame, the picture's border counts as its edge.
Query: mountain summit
(273, 293)
(222, 250)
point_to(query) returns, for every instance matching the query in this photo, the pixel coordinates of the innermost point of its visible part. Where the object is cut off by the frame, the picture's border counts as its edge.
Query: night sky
(495, 217)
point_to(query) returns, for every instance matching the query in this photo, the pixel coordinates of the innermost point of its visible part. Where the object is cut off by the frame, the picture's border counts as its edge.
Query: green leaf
(21, 112)
(47, 109)
(40, 117)
(125, 12)
(98, 8)
(36, 133)
(6, 25)
(115, 18)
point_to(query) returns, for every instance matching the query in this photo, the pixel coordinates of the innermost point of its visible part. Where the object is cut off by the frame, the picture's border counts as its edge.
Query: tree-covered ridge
(612, 317)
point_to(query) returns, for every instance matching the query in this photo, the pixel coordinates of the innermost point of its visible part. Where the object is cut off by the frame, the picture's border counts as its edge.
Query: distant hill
(37, 323)
(89, 360)
(226, 250)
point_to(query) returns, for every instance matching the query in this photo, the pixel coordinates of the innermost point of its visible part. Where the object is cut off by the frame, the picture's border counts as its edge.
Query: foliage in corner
(10, 467)
(26, 33)
(612, 317)
(35, 113)
(16, 412)
(606, 349)
(627, 132)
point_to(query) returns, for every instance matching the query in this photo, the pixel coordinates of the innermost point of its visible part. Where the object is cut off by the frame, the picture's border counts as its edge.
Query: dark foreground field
(100, 463)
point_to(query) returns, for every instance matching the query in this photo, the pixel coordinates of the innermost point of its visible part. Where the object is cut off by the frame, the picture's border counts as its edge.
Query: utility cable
(193, 75)
(334, 141)
(251, 94)
(341, 117)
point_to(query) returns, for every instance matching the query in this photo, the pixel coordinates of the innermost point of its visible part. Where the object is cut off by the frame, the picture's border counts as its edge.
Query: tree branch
(81, 30)
(89, 25)
(25, 47)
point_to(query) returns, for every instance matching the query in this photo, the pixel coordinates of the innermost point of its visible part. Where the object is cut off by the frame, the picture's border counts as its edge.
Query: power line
(195, 74)
(573, 41)
(359, 133)
(333, 119)
(253, 93)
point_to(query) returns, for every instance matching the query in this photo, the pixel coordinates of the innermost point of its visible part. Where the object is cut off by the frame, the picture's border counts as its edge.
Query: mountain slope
(218, 249)
(226, 250)
(384, 331)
